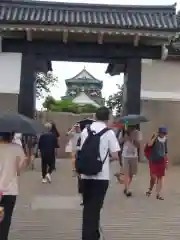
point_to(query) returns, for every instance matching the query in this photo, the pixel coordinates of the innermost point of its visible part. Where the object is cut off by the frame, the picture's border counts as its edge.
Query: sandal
(74, 174)
(128, 194)
(119, 177)
(159, 197)
(148, 193)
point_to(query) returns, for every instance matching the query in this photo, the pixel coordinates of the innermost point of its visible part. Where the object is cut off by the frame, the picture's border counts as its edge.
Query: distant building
(84, 89)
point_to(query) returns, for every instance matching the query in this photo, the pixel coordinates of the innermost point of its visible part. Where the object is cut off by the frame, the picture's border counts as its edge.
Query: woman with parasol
(130, 142)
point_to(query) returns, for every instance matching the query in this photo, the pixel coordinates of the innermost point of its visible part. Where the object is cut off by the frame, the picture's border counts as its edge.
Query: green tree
(49, 102)
(44, 82)
(53, 105)
(89, 108)
(115, 101)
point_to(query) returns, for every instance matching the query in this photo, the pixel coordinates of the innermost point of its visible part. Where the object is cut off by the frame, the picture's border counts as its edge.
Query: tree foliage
(44, 82)
(115, 101)
(50, 104)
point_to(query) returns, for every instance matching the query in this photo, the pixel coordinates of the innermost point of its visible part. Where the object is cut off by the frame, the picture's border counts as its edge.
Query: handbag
(68, 147)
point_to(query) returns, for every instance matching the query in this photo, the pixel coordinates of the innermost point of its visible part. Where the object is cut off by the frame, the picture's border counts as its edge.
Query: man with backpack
(97, 144)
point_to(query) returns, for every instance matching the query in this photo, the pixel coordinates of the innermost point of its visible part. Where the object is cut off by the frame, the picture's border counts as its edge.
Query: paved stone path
(53, 211)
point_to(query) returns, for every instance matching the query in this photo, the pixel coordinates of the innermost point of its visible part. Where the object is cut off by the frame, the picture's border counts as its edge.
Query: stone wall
(8, 102)
(63, 121)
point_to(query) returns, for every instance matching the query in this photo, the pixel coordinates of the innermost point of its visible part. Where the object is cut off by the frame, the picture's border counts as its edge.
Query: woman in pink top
(11, 162)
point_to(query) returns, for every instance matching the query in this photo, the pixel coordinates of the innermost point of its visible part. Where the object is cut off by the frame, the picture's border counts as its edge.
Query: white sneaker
(48, 177)
(44, 180)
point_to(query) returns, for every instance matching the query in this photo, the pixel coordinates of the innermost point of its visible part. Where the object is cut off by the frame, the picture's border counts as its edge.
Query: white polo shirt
(109, 142)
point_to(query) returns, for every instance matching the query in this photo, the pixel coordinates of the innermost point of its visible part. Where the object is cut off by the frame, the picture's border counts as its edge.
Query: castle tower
(84, 89)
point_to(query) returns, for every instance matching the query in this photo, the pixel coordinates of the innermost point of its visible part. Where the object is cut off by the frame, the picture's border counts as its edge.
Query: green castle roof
(83, 77)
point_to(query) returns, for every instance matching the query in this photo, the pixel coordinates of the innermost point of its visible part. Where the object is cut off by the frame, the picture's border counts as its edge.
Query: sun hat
(163, 130)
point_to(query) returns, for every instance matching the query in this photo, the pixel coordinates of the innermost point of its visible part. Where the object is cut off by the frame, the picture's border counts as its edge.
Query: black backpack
(88, 160)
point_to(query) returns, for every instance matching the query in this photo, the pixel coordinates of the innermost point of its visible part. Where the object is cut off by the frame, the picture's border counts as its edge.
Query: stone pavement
(45, 211)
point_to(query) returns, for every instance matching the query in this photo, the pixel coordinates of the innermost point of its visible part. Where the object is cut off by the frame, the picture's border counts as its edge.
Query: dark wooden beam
(86, 52)
(26, 98)
(114, 69)
(133, 87)
(42, 64)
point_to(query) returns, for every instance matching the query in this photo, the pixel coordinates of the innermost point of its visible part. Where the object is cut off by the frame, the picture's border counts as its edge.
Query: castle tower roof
(83, 77)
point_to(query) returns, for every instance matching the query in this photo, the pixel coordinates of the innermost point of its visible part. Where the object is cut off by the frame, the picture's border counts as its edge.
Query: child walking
(156, 152)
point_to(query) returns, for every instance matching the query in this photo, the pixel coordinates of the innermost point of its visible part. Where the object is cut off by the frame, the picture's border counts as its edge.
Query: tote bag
(68, 147)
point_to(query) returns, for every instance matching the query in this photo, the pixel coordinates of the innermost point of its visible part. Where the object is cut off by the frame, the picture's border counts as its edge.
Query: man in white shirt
(95, 187)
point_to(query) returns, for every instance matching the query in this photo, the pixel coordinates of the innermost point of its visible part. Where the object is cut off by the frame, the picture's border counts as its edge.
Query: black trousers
(80, 185)
(54, 162)
(8, 203)
(94, 192)
(47, 164)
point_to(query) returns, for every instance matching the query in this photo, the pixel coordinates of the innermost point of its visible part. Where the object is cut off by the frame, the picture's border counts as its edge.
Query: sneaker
(48, 177)
(44, 180)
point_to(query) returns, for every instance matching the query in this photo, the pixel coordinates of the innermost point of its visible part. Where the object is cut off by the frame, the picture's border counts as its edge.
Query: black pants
(54, 162)
(80, 185)
(94, 192)
(46, 164)
(8, 203)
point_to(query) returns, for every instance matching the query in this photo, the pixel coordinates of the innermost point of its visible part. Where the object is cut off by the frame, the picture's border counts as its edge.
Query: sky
(65, 70)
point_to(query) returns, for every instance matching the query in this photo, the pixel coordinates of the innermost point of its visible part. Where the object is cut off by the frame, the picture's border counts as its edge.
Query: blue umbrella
(133, 119)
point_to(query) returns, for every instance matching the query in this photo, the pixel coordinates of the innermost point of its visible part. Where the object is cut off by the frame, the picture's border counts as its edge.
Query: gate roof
(158, 18)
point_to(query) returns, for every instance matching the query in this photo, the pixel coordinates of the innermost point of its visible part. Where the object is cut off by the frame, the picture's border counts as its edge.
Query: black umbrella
(84, 122)
(14, 122)
(133, 119)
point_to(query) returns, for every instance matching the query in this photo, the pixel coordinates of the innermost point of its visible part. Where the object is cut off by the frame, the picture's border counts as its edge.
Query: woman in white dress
(71, 146)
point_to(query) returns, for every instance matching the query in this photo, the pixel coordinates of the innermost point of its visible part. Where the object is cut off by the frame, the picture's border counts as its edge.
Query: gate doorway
(121, 36)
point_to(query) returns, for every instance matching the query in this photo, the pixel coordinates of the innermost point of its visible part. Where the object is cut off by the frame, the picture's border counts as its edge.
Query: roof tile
(126, 17)
(83, 76)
